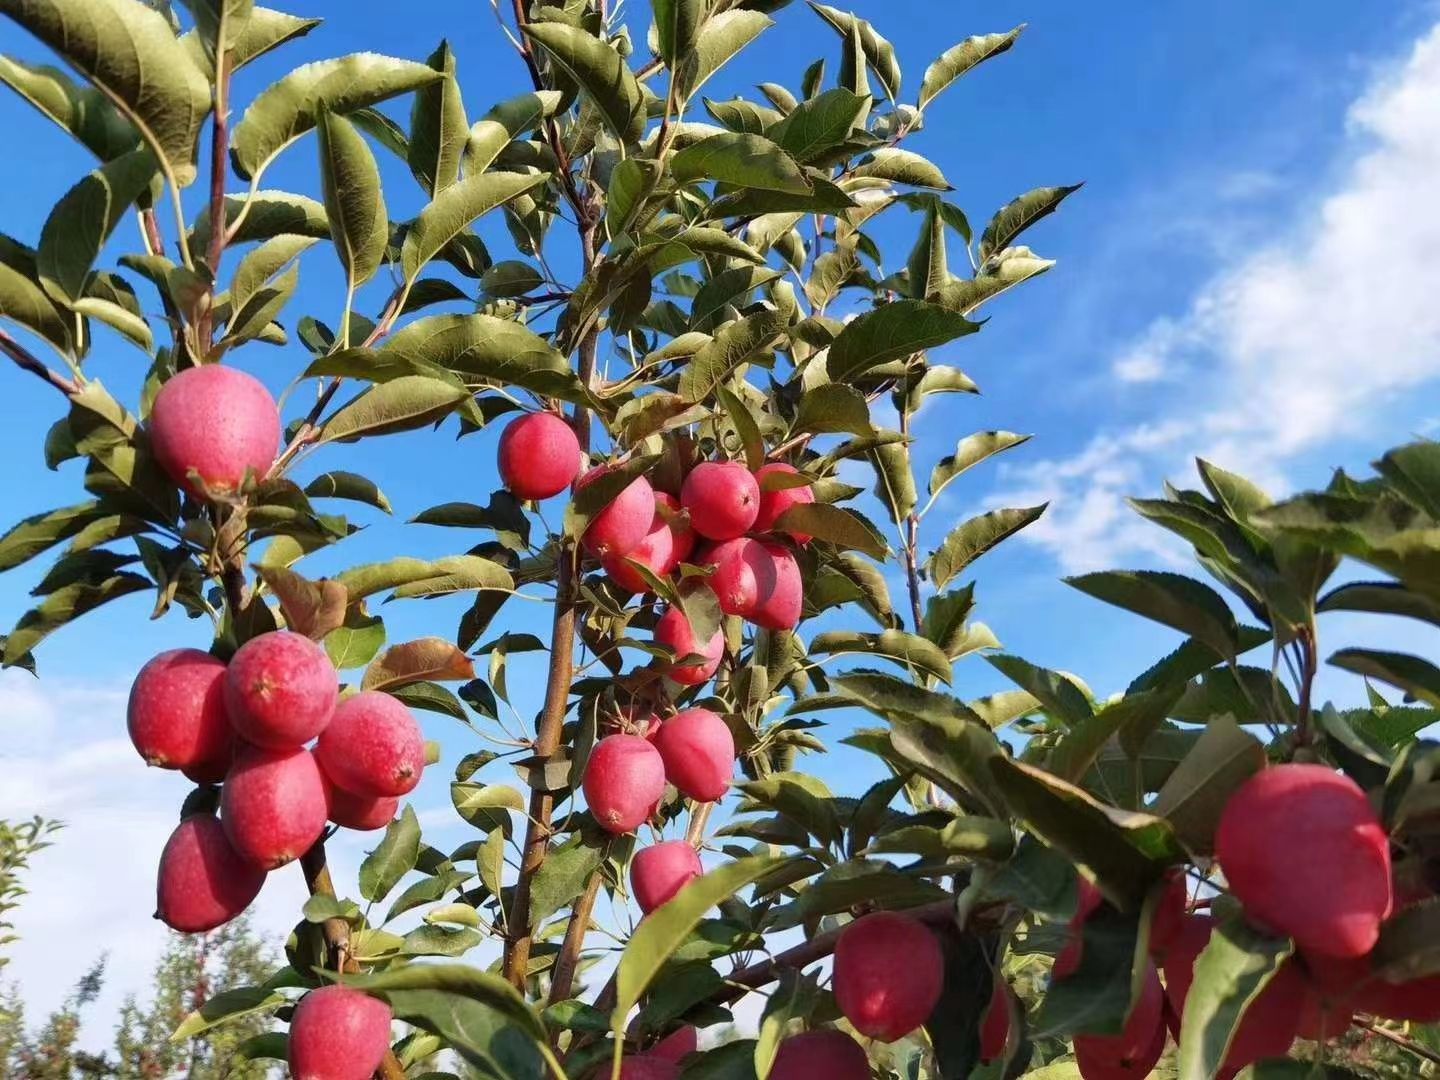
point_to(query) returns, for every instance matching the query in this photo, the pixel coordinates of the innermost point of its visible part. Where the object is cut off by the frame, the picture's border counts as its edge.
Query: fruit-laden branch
(337, 938)
(28, 362)
(562, 670)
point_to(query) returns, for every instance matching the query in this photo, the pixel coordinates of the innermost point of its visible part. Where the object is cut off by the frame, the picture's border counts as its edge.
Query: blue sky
(1248, 274)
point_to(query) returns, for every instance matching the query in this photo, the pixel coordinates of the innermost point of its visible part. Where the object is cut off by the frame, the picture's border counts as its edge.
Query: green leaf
(80, 110)
(40, 532)
(928, 266)
(419, 577)
(817, 126)
(1075, 754)
(1058, 693)
(129, 53)
(1414, 471)
(348, 485)
(905, 649)
(729, 287)
(1381, 598)
(475, 1012)
(748, 161)
(600, 71)
(956, 61)
(270, 214)
(355, 644)
(494, 131)
(834, 525)
(226, 1007)
(969, 452)
(259, 266)
(486, 348)
(402, 404)
(1123, 851)
(1230, 973)
(1016, 216)
(1172, 600)
(455, 209)
(879, 53)
(667, 927)
(973, 538)
(353, 200)
(289, 108)
(486, 806)
(24, 302)
(1194, 796)
(721, 38)
(393, 858)
(562, 876)
(833, 408)
(1418, 677)
(264, 31)
(63, 606)
(1407, 948)
(76, 230)
(262, 308)
(891, 332)
(736, 343)
(439, 131)
(1000, 273)
(676, 24)
(902, 167)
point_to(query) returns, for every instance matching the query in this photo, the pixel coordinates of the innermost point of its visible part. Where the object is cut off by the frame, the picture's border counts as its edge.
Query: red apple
(722, 497)
(203, 881)
(888, 975)
(539, 456)
(176, 714)
(775, 502)
(217, 423)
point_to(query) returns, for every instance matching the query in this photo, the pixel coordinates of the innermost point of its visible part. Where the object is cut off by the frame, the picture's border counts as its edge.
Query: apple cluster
(246, 725)
(1304, 853)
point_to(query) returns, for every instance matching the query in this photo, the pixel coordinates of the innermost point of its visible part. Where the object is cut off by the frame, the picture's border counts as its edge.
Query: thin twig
(562, 981)
(1406, 1043)
(26, 361)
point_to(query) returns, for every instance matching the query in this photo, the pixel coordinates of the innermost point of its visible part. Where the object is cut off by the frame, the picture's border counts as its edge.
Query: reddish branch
(26, 361)
(518, 938)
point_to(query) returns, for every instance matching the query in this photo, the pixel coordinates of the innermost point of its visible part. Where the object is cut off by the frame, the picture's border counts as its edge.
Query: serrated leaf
(999, 274)
(354, 203)
(890, 332)
(969, 452)
(748, 161)
(956, 61)
(288, 109)
(439, 131)
(834, 525)
(902, 167)
(1194, 796)
(1417, 676)
(76, 230)
(721, 38)
(80, 110)
(128, 51)
(736, 343)
(395, 857)
(25, 303)
(1230, 973)
(1016, 216)
(402, 404)
(494, 131)
(348, 485)
(1057, 692)
(418, 577)
(817, 126)
(61, 607)
(676, 24)
(600, 71)
(973, 538)
(356, 643)
(665, 928)
(906, 649)
(833, 408)
(455, 209)
(1173, 600)
(879, 53)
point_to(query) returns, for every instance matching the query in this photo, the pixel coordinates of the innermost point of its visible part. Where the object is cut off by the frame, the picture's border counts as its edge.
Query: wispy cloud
(1288, 347)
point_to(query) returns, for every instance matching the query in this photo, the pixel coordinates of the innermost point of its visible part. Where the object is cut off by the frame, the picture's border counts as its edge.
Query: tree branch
(26, 361)
(518, 937)
(562, 981)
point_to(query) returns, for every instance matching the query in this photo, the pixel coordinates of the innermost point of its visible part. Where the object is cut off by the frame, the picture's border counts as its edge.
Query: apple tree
(692, 347)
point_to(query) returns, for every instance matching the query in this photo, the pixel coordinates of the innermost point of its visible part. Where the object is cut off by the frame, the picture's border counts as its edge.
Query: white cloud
(1314, 338)
(65, 755)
